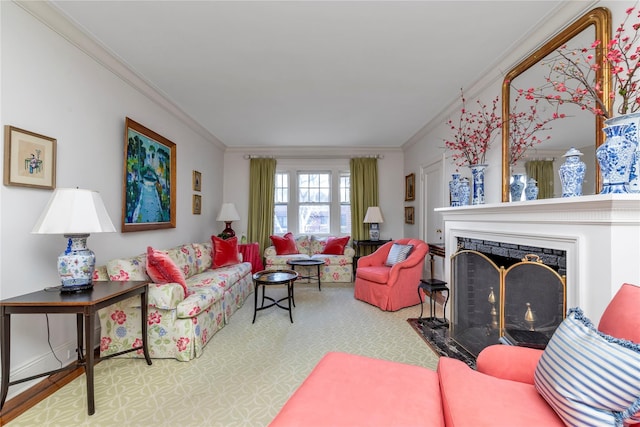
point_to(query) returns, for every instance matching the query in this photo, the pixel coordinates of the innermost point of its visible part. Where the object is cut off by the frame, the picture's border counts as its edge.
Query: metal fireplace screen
(521, 305)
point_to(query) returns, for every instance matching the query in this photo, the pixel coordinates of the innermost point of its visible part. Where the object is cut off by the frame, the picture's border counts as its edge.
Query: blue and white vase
(572, 173)
(477, 192)
(516, 187)
(454, 189)
(618, 157)
(465, 192)
(531, 191)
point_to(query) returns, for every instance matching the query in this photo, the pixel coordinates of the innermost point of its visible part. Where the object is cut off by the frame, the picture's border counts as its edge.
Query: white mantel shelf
(601, 208)
(600, 234)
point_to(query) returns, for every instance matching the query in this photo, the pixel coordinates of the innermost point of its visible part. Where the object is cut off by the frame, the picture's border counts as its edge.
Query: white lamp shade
(374, 215)
(228, 213)
(74, 211)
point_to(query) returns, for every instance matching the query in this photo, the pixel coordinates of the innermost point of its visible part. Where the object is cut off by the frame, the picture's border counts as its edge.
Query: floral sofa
(337, 268)
(179, 326)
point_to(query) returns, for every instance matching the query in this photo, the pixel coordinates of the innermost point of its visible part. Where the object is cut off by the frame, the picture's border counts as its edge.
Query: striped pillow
(587, 377)
(397, 254)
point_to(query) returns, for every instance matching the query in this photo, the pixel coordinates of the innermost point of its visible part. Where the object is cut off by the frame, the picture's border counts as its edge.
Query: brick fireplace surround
(600, 234)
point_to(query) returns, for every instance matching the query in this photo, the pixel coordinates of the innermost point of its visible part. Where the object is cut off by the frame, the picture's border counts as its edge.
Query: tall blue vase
(454, 189)
(618, 157)
(531, 192)
(572, 173)
(516, 187)
(477, 175)
(465, 192)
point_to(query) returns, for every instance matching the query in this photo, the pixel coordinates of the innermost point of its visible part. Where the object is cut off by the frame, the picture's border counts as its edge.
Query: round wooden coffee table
(308, 263)
(271, 278)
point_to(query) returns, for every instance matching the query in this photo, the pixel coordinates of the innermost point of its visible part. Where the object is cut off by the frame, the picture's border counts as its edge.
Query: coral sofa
(337, 268)
(391, 287)
(179, 325)
(506, 390)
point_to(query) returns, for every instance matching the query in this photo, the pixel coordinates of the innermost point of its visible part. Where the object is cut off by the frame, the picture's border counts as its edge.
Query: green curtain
(364, 193)
(542, 171)
(262, 182)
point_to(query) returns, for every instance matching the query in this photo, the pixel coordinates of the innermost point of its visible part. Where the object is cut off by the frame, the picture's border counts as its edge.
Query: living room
(58, 83)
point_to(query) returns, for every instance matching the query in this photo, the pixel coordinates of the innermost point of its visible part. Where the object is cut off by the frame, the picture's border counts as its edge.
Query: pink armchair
(391, 288)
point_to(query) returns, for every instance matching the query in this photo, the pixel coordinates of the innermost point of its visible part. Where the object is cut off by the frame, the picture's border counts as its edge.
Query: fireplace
(599, 237)
(505, 293)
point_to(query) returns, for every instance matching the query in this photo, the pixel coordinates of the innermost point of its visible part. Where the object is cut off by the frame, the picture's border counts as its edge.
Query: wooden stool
(431, 286)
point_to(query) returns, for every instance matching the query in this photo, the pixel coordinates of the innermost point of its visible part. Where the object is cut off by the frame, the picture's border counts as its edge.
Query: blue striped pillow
(398, 253)
(587, 377)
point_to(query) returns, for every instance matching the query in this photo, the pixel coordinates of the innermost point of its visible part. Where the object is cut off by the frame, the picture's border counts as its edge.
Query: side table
(274, 277)
(85, 305)
(430, 286)
(359, 244)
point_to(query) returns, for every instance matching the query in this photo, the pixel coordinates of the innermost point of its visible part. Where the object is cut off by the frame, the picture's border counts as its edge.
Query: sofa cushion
(588, 377)
(335, 245)
(470, 398)
(184, 257)
(202, 252)
(285, 245)
(351, 390)
(162, 269)
(374, 273)
(398, 253)
(225, 252)
(125, 269)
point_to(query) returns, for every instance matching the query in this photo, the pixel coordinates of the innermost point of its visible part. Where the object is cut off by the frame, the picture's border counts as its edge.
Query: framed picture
(197, 181)
(410, 187)
(149, 182)
(197, 204)
(408, 215)
(29, 159)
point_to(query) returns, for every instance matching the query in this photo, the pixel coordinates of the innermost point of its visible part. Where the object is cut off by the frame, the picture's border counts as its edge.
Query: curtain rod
(312, 156)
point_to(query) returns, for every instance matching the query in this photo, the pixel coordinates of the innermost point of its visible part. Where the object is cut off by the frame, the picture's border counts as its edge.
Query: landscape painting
(149, 190)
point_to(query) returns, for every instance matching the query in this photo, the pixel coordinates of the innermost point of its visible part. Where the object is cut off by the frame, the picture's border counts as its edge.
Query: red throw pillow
(285, 245)
(335, 245)
(225, 252)
(162, 269)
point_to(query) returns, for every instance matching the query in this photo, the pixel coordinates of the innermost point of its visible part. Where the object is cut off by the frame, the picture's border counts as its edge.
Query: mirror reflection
(579, 129)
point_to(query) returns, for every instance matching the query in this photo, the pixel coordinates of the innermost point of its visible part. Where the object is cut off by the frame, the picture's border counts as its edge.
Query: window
(312, 197)
(281, 203)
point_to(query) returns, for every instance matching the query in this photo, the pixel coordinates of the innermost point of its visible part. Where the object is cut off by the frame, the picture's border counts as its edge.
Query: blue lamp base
(76, 264)
(374, 231)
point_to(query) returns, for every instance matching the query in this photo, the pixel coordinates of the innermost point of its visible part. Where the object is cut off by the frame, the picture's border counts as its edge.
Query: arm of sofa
(509, 362)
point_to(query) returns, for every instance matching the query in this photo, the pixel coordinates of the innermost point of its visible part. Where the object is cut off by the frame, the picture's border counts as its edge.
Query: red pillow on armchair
(225, 252)
(285, 245)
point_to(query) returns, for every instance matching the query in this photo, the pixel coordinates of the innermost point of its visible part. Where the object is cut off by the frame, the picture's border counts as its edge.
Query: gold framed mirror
(594, 25)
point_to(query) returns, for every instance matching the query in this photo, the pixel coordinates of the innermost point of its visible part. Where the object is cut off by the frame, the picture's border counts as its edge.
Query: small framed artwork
(197, 204)
(149, 182)
(410, 187)
(408, 215)
(29, 159)
(197, 181)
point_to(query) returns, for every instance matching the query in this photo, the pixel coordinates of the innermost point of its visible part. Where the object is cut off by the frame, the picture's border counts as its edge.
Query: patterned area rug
(439, 341)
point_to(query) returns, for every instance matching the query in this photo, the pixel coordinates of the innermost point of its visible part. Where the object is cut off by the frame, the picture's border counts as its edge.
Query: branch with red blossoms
(473, 133)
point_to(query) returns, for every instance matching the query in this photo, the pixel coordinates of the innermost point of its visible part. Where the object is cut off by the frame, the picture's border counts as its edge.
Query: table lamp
(373, 218)
(228, 214)
(75, 213)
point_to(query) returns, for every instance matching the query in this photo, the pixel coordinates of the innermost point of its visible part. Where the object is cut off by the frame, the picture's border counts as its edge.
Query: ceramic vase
(516, 187)
(454, 189)
(572, 173)
(477, 192)
(618, 157)
(531, 191)
(465, 192)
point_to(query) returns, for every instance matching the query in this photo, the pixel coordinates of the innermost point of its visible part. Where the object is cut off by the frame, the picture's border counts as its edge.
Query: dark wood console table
(84, 305)
(359, 244)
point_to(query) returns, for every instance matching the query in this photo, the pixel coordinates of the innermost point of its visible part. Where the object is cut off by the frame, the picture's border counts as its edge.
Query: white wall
(50, 87)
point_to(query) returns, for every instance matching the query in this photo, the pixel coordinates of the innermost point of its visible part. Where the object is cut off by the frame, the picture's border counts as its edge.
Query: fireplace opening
(520, 304)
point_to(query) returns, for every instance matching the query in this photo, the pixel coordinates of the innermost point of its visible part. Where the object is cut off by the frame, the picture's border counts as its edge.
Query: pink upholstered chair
(391, 288)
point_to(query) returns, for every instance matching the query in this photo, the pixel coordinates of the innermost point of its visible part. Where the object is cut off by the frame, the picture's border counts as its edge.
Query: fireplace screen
(520, 305)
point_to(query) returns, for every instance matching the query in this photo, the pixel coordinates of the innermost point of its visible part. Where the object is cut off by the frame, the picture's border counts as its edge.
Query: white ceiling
(299, 73)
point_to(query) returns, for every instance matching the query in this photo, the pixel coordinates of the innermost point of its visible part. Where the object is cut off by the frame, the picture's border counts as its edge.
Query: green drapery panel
(262, 182)
(364, 193)
(542, 171)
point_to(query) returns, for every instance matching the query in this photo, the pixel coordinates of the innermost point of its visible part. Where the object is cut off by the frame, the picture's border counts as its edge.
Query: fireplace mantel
(600, 233)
